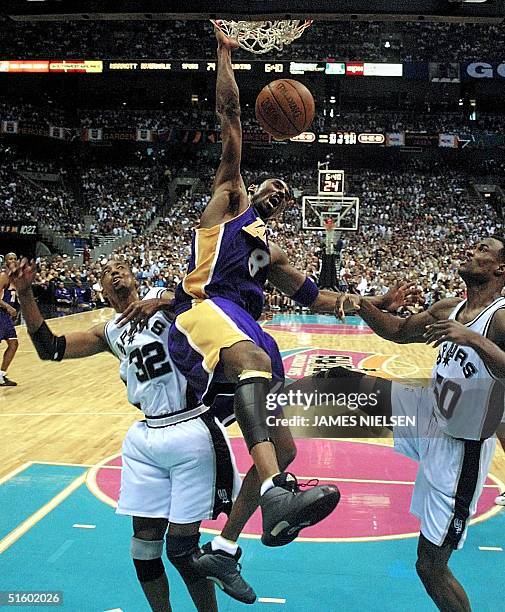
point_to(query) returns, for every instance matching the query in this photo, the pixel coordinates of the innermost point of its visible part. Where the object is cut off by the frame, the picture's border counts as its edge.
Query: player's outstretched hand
(138, 313)
(400, 294)
(346, 303)
(224, 41)
(449, 331)
(22, 275)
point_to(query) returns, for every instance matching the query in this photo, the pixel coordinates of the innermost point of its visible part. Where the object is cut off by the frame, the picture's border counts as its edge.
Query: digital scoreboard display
(331, 182)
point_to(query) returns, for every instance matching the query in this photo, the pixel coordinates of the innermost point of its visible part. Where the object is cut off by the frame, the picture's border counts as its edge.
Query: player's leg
(146, 550)
(182, 547)
(500, 500)
(233, 340)
(248, 499)
(250, 367)
(220, 556)
(205, 481)
(449, 482)
(344, 380)
(438, 580)
(8, 356)
(285, 508)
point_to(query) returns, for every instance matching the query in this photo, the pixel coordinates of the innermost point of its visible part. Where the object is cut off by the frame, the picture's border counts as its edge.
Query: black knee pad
(250, 409)
(150, 570)
(180, 552)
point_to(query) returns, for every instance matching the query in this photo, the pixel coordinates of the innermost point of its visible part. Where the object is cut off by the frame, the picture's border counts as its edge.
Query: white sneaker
(500, 500)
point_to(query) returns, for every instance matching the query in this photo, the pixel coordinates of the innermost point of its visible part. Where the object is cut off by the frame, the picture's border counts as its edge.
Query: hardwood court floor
(77, 411)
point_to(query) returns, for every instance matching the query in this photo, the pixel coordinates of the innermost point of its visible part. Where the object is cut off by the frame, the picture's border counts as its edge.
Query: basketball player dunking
(178, 468)
(456, 416)
(8, 314)
(218, 345)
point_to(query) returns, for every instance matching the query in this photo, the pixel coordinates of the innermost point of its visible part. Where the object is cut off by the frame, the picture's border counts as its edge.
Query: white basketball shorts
(184, 473)
(451, 473)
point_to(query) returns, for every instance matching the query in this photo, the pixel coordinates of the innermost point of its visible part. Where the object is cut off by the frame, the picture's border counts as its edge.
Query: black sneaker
(286, 510)
(224, 569)
(8, 383)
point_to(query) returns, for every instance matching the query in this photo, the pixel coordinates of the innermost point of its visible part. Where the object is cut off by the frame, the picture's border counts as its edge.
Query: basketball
(285, 108)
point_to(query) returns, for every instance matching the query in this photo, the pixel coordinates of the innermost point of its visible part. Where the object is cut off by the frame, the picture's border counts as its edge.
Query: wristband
(307, 294)
(48, 346)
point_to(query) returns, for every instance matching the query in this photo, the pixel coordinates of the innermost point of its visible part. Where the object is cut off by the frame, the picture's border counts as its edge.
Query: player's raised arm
(229, 195)
(48, 346)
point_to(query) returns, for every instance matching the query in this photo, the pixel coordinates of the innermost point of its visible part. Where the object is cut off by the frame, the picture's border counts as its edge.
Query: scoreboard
(331, 182)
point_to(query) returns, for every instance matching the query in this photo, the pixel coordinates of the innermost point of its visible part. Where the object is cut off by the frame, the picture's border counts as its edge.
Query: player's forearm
(4, 305)
(227, 94)
(490, 353)
(30, 310)
(384, 324)
(326, 302)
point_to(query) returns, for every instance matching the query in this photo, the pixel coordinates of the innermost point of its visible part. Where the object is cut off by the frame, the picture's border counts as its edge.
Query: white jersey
(469, 400)
(153, 382)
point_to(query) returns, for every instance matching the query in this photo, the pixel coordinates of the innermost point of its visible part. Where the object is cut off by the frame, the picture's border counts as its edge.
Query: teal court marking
(93, 566)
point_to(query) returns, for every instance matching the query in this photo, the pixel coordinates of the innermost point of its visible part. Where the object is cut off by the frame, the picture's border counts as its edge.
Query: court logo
(308, 361)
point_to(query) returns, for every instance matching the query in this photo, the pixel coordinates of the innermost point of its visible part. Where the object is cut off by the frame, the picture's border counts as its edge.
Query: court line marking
(60, 551)
(491, 548)
(43, 511)
(78, 526)
(321, 478)
(276, 600)
(15, 472)
(38, 414)
(92, 485)
(63, 463)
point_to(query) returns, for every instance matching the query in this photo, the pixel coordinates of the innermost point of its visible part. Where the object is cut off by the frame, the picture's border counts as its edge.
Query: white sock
(220, 543)
(267, 484)
(2, 374)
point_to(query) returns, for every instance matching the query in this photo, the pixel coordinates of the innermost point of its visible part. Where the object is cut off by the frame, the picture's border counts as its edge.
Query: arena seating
(407, 41)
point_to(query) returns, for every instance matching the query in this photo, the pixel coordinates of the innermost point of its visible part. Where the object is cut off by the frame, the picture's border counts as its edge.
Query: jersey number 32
(150, 361)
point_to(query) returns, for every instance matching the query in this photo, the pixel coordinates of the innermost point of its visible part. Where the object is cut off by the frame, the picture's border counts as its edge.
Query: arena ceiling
(419, 10)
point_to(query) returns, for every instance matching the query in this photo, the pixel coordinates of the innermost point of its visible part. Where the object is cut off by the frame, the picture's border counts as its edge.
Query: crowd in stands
(122, 200)
(328, 118)
(414, 226)
(344, 40)
(25, 197)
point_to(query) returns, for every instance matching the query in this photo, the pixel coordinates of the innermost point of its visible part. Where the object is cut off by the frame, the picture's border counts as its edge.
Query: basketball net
(262, 36)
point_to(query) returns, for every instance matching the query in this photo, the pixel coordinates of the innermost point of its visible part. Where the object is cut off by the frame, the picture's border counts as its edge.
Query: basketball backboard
(317, 208)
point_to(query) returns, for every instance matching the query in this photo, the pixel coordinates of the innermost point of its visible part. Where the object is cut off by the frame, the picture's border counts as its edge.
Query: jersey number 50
(150, 361)
(447, 392)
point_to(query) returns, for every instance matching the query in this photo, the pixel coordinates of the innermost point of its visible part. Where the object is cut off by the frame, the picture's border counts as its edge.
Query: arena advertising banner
(483, 70)
(258, 67)
(421, 139)
(18, 237)
(104, 135)
(40, 66)
(326, 67)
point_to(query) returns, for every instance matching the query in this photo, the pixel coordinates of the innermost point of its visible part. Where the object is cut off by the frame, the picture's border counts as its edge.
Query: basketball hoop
(262, 36)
